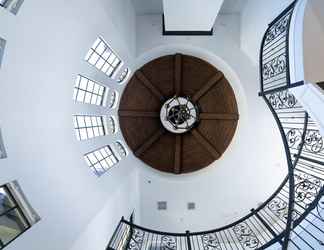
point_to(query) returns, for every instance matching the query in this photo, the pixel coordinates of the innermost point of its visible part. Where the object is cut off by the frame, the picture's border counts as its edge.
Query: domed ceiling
(178, 114)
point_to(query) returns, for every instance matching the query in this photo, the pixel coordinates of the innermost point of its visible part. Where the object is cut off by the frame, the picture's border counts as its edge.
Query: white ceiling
(156, 7)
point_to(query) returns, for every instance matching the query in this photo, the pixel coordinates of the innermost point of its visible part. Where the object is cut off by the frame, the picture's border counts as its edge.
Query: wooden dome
(160, 80)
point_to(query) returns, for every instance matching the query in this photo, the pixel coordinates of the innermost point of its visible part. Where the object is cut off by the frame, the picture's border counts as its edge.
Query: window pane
(83, 134)
(83, 83)
(81, 122)
(80, 97)
(94, 58)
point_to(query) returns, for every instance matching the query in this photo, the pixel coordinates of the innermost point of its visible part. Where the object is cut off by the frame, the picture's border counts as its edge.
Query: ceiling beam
(206, 144)
(208, 85)
(218, 116)
(142, 78)
(149, 142)
(138, 113)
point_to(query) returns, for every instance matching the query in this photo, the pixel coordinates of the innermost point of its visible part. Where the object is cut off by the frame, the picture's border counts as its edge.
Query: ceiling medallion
(179, 115)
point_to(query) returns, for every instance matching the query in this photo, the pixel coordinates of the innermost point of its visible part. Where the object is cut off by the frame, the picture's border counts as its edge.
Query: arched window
(101, 160)
(123, 76)
(121, 149)
(103, 57)
(112, 99)
(112, 125)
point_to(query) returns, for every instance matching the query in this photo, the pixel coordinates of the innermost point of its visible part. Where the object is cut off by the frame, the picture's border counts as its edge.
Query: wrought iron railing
(293, 215)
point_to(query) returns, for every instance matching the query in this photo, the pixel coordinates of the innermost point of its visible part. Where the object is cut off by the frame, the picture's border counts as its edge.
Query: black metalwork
(293, 215)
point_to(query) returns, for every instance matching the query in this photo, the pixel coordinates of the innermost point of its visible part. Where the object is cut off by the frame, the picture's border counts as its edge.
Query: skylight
(101, 160)
(103, 57)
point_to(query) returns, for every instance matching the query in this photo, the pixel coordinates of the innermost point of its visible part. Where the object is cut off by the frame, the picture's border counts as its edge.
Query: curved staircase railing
(293, 216)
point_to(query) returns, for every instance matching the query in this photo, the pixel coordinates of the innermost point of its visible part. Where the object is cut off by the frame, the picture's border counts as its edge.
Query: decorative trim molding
(185, 32)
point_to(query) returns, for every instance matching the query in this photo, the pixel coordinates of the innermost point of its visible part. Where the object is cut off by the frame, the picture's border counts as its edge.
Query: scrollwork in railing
(210, 242)
(168, 242)
(282, 100)
(294, 138)
(275, 67)
(279, 208)
(313, 141)
(306, 188)
(278, 28)
(136, 240)
(246, 236)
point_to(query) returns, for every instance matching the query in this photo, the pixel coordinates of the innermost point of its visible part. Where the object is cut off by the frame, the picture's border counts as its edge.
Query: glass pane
(83, 134)
(90, 132)
(111, 58)
(96, 131)
(109, 71)
(100, 48)
(81, 122)
(87, 98)
(11, 225)
(98, 155)
(80, 96)
(88, 121)
(100, 63)
(110, 163)
(106, 54)
(101, 91)
(96, 89)
(98, 40)
(5, 200)
(94, 58)
(83, 83)
(90, 86)
(98, 101)
(92, 158)
(105, 165)
(105, 67)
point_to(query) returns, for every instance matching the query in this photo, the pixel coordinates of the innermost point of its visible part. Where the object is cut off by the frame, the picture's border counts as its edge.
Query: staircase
(292, 217)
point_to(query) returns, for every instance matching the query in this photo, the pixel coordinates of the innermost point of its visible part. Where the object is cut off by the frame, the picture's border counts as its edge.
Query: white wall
(254, 164)
(314, 41)
(190, 15)
(46, 44)
(255, 17)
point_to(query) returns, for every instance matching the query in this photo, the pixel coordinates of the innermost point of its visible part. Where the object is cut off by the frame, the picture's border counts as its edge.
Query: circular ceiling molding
(178, 114)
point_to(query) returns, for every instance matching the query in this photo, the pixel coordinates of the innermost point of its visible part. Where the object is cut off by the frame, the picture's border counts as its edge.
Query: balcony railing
(292, 217)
